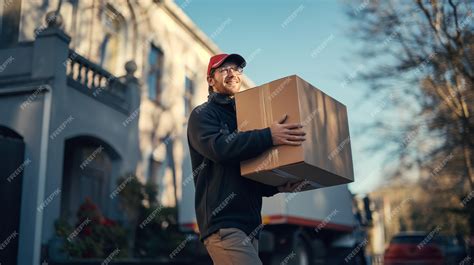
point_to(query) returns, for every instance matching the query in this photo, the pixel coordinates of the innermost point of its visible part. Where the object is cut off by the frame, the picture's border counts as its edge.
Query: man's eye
(234, 69)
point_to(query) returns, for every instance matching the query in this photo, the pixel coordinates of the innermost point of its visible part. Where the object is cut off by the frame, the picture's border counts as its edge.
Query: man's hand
(297, 186)
(289, 134)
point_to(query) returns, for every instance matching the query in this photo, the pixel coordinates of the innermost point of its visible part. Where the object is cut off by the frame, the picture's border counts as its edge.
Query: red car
(413, 248)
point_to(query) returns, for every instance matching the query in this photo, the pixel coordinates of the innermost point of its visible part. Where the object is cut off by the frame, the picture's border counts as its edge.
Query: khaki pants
(231, 246)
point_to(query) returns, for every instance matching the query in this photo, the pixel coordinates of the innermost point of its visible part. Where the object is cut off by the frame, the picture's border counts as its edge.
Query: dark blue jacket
(223, 197)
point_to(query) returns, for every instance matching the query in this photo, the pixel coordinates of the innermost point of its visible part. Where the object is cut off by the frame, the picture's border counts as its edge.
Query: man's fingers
(294, 186)
(283, 119)
(305, 184)
(292, 126)
(295, 138)
(301, 184)
(296, 132)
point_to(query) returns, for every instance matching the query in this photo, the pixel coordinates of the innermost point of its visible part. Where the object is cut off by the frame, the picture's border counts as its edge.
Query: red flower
(108, 222)
(87, 231)
(88, 210)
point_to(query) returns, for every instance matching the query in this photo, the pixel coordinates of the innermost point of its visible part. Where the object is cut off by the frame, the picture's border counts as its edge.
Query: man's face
(226, 79)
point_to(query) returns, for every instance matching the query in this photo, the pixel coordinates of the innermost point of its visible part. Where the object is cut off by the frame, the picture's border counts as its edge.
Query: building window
(114, 38)
(188, 95)
(155, 63)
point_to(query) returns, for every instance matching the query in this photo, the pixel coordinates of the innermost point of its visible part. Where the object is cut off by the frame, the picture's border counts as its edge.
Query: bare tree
(423, 52)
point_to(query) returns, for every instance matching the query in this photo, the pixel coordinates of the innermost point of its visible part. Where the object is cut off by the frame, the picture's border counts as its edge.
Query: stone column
(50, 51)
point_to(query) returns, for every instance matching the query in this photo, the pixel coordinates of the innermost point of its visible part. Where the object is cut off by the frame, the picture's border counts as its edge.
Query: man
(228, 205)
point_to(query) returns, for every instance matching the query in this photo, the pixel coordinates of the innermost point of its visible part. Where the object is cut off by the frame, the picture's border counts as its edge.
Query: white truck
(310, 227)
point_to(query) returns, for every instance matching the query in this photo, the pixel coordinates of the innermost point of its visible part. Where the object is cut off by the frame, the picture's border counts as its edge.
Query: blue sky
(307, 38)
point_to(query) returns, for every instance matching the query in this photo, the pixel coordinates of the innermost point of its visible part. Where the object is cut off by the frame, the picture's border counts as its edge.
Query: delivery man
(228, 205)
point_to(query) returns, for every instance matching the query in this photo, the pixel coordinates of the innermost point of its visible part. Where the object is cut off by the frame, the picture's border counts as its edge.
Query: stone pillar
(51, 48)
(133, 99)
(50, 51)
(133, 86)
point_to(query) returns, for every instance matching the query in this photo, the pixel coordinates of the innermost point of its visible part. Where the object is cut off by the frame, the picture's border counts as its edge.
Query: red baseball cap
(218, 60)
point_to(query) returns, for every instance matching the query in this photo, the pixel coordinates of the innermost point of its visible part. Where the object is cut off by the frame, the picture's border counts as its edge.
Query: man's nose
(230, 72)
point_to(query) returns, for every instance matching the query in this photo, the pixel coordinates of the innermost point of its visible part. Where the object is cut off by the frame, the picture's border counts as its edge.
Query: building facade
(90, 91)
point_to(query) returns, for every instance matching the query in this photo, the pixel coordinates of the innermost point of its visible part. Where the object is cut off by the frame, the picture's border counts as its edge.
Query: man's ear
(210, 81)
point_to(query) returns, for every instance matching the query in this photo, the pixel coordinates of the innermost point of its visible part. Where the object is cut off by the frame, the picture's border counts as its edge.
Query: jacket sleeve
(268, 190)
(206, 136)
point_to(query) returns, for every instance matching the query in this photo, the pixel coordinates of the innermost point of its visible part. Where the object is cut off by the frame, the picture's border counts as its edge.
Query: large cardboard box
(324, 159)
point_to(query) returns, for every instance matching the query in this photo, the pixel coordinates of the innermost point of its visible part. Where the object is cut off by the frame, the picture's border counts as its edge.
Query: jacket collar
(219, 98)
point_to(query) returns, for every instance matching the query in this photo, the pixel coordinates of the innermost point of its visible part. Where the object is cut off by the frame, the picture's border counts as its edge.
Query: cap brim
(235, 58)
